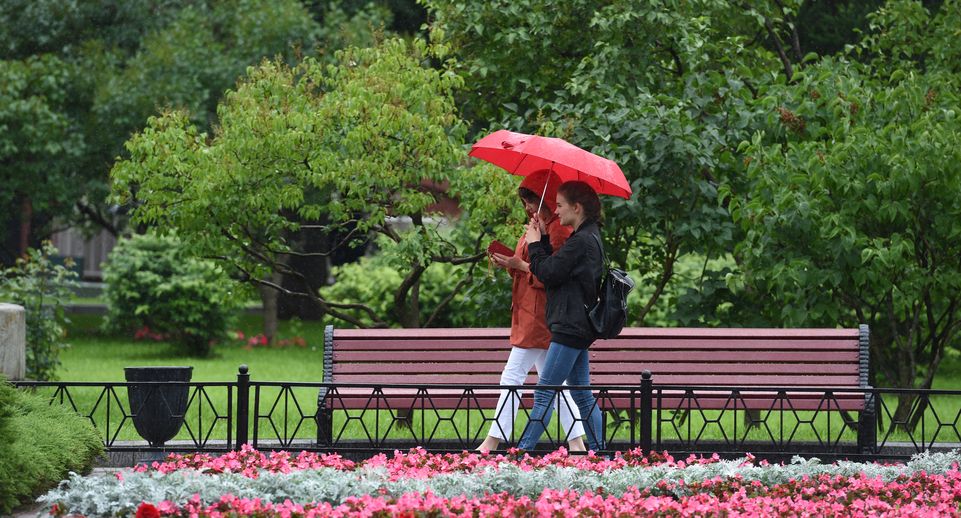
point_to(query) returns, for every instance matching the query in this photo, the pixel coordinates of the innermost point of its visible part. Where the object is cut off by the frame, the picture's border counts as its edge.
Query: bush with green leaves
(152, 282)
(32, 462)
(373, 280)
(42, 288)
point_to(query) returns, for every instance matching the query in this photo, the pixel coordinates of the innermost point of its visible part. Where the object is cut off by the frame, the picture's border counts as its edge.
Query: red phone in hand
(496, 247)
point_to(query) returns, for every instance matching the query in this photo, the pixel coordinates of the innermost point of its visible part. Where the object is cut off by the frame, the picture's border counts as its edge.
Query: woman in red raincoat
(530, 336)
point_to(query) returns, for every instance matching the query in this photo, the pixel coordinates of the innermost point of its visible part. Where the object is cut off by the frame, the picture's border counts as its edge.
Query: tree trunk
(667, 273)
(315, 268)
(269, 298)
(26, 220)
(409, 314)
(406, 307)
(902, 414)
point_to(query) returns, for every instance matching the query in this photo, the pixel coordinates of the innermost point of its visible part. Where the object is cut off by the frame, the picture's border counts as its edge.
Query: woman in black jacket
(571, 276)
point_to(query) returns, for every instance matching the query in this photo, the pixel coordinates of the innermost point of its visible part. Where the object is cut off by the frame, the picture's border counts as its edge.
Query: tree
(665, 89)
(343, 148)
(100, 69)
(37, 138)
(854, 215)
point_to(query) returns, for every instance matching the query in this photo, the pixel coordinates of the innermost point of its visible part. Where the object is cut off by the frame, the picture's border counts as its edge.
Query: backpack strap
(607, 264)
(600, 247)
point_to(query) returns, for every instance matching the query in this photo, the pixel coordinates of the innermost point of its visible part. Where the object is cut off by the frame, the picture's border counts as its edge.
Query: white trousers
(515, 373)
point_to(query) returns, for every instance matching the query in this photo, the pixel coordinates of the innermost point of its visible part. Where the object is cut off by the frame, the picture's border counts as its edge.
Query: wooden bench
(824, 359)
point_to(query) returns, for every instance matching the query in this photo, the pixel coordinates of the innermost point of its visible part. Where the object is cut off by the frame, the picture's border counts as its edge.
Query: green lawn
(94, 356)
(97, 357)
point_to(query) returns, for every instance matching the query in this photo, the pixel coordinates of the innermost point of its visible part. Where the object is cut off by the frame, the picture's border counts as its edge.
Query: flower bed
(252, 483)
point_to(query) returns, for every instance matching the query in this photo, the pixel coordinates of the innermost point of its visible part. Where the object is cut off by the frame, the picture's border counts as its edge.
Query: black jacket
(571, 276)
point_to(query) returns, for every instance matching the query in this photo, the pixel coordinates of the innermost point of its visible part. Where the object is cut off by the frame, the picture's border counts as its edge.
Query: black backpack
(609, 313)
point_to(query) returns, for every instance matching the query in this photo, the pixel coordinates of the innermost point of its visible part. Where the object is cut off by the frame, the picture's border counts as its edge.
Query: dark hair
(528, 195)
(580, 192)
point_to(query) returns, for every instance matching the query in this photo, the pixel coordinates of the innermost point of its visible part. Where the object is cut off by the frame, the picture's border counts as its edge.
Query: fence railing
(361, 419)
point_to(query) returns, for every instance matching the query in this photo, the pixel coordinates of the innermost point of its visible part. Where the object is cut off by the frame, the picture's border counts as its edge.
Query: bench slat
(488, 400)
(786, 379)
(628, 332)
(750, 357)
(604, 345)
(662, 368)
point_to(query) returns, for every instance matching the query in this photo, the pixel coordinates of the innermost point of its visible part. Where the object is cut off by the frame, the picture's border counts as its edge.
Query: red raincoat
(529, 300)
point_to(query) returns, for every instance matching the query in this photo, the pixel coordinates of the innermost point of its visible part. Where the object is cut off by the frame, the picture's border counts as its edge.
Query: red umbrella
(523, 154)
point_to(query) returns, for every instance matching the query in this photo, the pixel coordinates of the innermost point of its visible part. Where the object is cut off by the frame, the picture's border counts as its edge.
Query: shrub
(39, 445)
(373, 281)
(41, 287)
(152, 282)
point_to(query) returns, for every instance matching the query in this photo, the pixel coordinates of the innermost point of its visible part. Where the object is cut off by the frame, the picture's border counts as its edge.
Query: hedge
(39, 445)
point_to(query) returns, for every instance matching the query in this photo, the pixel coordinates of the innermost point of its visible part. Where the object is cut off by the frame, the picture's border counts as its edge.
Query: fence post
(647, 394)
(243, 405)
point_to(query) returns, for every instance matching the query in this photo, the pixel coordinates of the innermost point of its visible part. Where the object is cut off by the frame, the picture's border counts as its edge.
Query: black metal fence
(361, 419)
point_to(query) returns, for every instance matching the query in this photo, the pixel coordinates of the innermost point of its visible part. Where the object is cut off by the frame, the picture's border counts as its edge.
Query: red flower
(147, 511)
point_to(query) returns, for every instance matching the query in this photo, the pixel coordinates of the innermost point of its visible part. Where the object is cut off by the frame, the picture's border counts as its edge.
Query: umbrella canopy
(523, 154)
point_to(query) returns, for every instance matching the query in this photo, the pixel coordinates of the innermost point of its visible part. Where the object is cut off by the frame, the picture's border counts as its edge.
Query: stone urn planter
(158, 409)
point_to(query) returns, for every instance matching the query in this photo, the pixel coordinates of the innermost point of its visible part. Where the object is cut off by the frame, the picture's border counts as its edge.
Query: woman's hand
(534, 230)
(511, 262)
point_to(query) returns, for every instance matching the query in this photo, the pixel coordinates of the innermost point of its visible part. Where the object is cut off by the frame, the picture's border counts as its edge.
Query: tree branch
(678, 65)
(97, 218)
(667, 272)
(459, 260)
(795, 40)
(326, 306)
(779, 47)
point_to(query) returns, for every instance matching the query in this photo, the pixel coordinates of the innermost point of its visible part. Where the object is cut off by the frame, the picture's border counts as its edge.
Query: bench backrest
(676, 356)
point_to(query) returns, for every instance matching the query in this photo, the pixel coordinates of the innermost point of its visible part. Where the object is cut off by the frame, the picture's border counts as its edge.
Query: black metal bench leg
(325, 420)
(867, 426)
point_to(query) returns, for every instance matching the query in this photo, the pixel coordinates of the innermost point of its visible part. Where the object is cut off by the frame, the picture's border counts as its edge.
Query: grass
(97, 357)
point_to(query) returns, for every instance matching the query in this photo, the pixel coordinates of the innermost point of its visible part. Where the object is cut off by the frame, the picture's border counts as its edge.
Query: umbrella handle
(544, 193)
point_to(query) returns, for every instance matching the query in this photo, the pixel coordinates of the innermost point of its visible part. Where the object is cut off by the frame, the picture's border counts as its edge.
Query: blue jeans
(573, 365)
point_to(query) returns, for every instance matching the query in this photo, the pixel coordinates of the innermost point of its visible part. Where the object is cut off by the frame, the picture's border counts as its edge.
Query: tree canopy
(854, 208)
(345, 147)
(80, 77)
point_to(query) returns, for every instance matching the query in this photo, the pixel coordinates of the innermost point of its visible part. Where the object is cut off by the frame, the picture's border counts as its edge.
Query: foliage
(346, 148)
(39, 445)
(42, 288)
(854, 213)
(37, 136)
(80, 77)
(345, 26)
(372, 280)
(827, 27)
(152, 282)
(665, 89)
